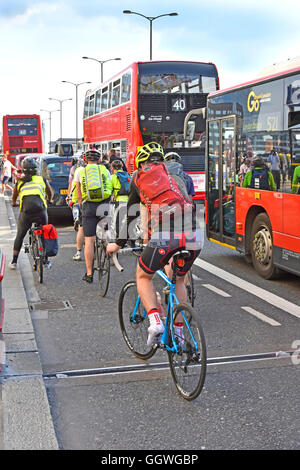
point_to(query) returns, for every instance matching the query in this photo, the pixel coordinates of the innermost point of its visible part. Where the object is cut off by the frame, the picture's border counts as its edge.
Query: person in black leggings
(33, 192)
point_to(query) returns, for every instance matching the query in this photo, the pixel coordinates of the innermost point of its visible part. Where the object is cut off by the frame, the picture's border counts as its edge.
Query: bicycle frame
(172, 302)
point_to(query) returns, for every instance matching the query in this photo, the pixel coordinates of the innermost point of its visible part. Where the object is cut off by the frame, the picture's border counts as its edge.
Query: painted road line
(263, 294)
(261, 316)
(216, 290)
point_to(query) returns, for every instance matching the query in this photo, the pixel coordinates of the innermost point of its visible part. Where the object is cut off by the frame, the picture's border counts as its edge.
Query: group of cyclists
(159, 191)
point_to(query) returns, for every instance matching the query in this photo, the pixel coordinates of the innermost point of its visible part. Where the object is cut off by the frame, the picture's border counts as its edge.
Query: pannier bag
(50, 240)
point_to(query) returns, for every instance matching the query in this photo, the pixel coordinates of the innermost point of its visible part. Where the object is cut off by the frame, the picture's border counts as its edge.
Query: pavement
(25, 415)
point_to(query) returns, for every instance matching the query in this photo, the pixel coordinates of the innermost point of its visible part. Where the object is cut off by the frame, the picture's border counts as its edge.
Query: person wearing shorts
(94, 207)
(161, 247)
(6, 173)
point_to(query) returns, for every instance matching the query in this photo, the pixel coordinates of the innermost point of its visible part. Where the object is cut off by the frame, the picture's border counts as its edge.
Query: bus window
(126, 87)
(98, 102)
(104, 99)
(92, 105)
(86, 107)
(115, 100)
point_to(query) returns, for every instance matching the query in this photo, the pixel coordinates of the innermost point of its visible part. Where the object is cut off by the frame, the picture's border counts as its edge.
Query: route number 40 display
(179, 104)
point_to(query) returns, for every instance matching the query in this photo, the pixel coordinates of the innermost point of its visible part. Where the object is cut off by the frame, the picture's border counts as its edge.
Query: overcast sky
(42, 42)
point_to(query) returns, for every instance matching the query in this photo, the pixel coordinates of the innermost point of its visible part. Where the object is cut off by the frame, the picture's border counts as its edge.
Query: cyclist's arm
(14, 195)
(48, 191)
(272, 182)
(133, 199)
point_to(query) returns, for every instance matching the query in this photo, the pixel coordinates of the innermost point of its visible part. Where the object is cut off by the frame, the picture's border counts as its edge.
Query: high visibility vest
(35, 187)
(95, 184)
(74, 190)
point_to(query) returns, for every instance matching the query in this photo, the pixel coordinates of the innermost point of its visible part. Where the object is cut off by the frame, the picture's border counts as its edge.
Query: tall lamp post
(150, 19)
(60, 109)
(76, 104)
(50, 112)
(101, 62)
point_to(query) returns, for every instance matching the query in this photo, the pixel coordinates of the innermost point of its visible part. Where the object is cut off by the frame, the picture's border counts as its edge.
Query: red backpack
(160, 192)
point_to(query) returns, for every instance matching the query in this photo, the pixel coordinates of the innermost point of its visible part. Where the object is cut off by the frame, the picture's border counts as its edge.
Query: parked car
(56, 171)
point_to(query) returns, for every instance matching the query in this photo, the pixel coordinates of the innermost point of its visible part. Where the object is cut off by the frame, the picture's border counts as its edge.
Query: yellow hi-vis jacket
(95, 183)
(35, 187)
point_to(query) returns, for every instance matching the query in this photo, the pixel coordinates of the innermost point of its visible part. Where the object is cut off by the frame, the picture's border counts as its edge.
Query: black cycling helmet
(117, 165)
(92, 155)
(258, 161)
(29, 165)
(172, 156)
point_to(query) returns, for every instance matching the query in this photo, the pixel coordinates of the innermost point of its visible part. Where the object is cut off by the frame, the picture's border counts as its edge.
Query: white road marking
(261, 316)
(216, 290)
(263, 294)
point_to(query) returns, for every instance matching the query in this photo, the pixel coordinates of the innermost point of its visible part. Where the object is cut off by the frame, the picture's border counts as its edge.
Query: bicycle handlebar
(124, 251)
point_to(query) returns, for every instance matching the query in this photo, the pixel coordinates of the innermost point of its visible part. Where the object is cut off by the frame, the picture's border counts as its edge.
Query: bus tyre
(262, 247)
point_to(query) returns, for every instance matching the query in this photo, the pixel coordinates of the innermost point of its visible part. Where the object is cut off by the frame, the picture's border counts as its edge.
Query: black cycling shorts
(163, 246)
(92, 213)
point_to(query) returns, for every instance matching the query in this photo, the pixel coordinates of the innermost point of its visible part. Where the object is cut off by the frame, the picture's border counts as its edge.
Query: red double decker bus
(21, 133)
(147, 102)
(259, 118)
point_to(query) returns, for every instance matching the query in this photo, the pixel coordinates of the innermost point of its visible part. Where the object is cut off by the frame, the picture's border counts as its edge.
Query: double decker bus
(21, 133)
(149, 101)
(255, 119)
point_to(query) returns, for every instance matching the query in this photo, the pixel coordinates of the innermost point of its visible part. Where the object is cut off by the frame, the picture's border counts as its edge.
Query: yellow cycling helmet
(148, 150)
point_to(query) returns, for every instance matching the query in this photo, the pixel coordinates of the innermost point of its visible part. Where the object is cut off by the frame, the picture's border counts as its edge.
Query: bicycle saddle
(182, 254)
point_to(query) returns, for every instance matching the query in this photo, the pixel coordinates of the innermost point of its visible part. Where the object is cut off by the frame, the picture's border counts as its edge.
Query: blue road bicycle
(186, 350)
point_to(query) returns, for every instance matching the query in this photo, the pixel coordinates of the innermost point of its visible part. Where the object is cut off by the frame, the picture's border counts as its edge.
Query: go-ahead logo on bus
(254, 101)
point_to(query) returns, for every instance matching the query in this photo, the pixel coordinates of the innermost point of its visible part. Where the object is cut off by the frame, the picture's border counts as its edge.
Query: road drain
(52, 305)
(165, 365)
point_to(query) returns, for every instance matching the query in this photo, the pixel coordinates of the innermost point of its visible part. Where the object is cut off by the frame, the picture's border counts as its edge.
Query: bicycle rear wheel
(134, 331)
(103, 268)
(40, 269)
(188, 366)
(40, 259)
(34, 251)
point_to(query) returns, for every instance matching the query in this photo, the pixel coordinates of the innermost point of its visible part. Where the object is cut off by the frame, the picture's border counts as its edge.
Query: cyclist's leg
(148, 297)
(24, 224)
(89, 223)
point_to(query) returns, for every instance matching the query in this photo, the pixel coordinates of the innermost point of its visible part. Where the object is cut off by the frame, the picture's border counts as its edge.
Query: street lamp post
(76, 104)
(101, 62)
(150, 19)
(50, 112)
(60, 109)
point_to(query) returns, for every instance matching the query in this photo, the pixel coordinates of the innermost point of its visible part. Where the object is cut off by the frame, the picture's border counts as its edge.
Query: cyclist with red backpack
(172, 225)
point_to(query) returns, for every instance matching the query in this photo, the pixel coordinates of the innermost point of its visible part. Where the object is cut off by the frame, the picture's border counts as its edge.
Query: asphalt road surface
(251, 395)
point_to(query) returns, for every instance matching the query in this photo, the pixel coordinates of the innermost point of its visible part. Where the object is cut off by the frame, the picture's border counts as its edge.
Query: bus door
(220, 193)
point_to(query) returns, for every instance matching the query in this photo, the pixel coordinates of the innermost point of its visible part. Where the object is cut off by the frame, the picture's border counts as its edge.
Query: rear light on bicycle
(181, 263)
(40, 248)
(38, 232)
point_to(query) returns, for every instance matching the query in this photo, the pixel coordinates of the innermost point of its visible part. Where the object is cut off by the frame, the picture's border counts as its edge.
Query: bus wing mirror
(190, 123)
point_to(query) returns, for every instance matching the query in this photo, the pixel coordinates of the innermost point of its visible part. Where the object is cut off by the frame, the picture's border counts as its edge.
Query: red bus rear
(147, 102)
(22, 133)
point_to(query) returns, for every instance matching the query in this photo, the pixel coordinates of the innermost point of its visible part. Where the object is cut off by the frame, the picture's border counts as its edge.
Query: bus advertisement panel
(149, 102)
(255, 127)
(21, 133)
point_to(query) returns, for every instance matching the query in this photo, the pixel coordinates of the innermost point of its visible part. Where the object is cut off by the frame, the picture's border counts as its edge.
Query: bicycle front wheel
(188, 365)
(191, 294)
(103, 268)
(134, 322)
